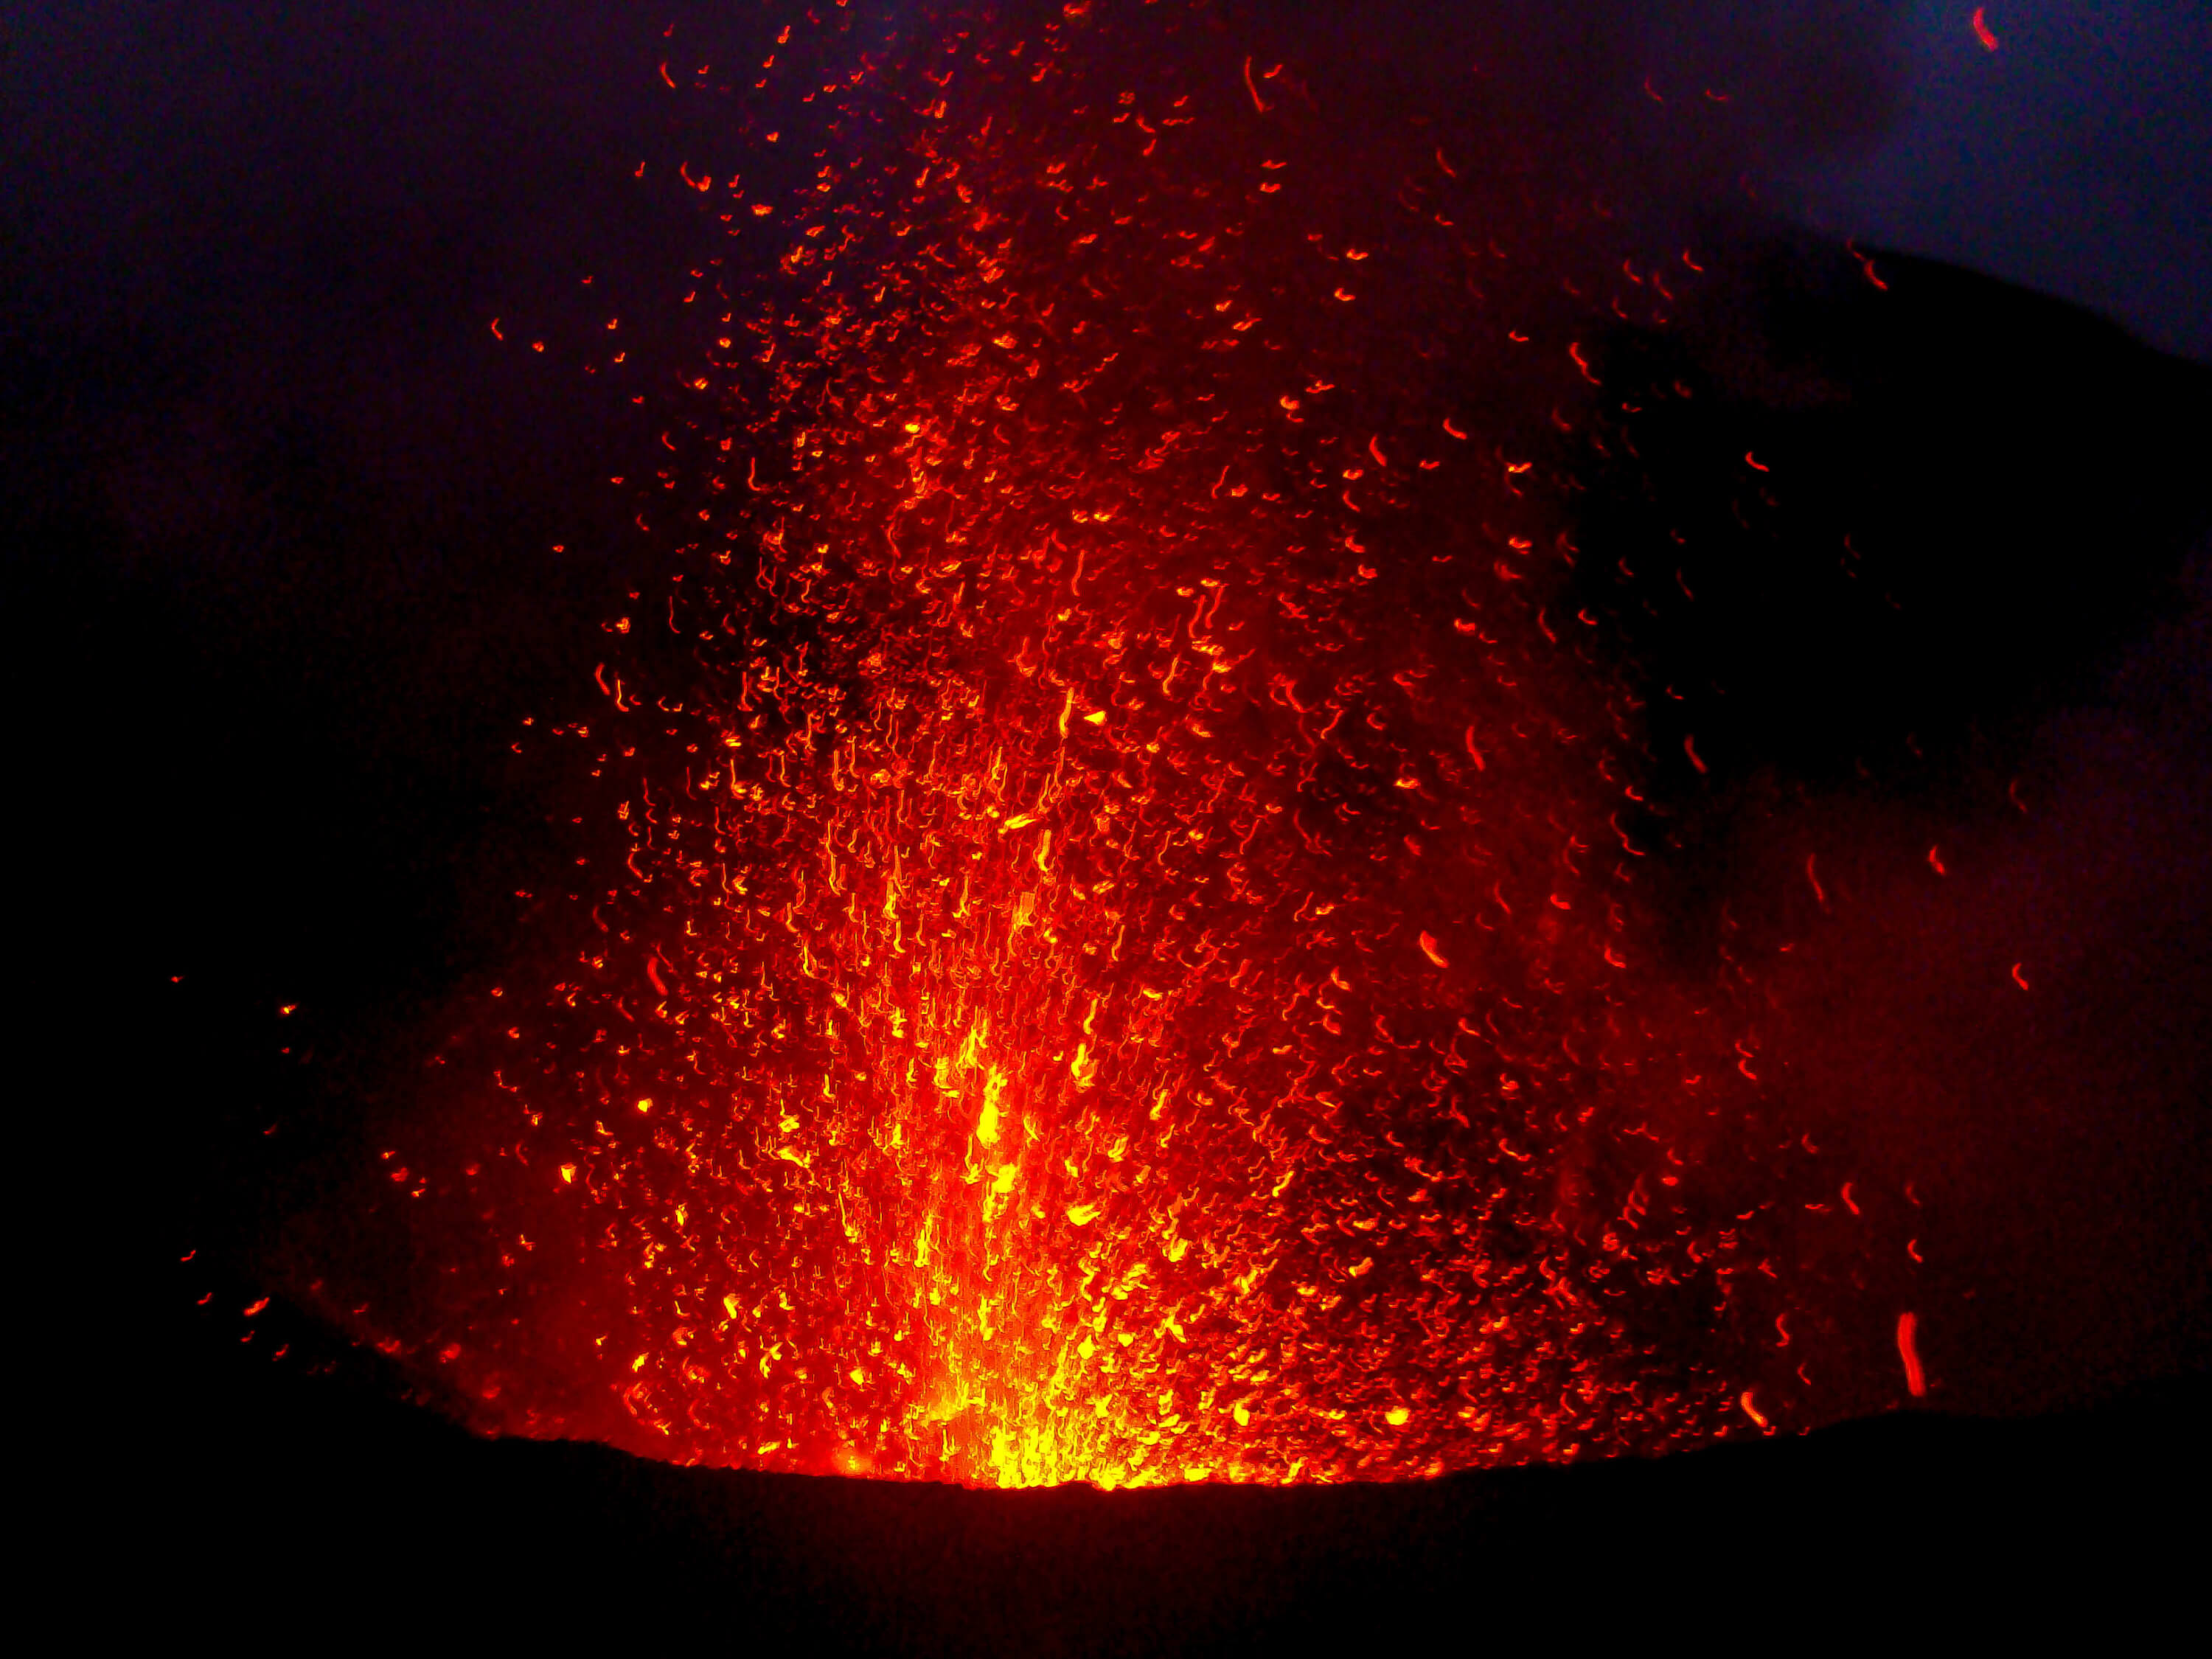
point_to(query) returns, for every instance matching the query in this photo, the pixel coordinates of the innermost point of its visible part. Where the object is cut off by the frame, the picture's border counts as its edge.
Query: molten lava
(1109, 938)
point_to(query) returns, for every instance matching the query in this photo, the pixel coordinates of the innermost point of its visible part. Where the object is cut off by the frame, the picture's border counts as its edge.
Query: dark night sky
(155, 152)
(2077, 158)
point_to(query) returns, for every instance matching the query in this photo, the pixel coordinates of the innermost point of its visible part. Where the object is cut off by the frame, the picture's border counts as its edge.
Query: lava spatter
(1110, 943)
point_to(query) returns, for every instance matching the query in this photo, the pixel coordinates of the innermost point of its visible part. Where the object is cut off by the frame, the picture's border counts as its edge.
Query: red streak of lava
(1908, 1350)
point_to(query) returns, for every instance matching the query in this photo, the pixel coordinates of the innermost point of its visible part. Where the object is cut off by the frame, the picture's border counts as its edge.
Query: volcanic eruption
(1107, 931)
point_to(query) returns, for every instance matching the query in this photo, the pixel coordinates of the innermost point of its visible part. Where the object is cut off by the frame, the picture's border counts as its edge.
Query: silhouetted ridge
(305, 1498)
(1849, 507)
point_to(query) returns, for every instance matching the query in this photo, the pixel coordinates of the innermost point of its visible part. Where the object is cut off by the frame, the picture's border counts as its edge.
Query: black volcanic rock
(299, 1496)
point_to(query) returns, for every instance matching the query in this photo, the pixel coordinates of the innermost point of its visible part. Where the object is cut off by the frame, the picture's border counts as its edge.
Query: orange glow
(1103, 949)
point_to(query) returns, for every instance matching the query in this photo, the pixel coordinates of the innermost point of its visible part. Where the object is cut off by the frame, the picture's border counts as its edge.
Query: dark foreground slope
(296, 1501)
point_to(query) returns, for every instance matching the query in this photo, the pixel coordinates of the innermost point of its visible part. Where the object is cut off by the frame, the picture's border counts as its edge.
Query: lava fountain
(1108, 937)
